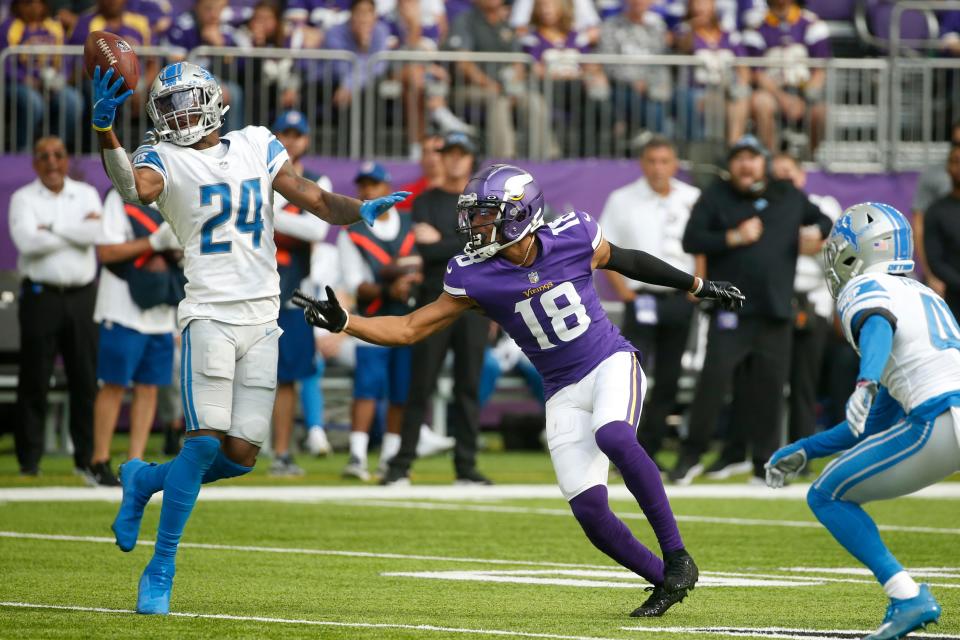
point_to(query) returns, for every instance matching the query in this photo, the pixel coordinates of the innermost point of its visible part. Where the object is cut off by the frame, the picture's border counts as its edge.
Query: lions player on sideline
(535, 281)
(217, 195)
(903, 419)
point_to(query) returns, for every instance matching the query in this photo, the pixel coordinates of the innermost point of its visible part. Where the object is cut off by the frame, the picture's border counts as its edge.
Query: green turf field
(382, 567)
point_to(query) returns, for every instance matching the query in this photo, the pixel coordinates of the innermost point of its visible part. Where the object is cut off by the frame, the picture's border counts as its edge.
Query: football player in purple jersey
(535, 280)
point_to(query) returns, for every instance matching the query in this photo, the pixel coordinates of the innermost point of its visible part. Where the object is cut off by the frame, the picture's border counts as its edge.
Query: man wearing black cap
(748, 228)
(435, 228)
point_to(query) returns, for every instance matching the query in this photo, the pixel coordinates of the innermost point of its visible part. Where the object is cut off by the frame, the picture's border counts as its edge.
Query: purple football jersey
(800, 28)
(551, 308)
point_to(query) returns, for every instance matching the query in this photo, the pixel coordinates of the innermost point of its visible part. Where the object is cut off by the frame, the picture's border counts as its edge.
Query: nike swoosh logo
(449, 270)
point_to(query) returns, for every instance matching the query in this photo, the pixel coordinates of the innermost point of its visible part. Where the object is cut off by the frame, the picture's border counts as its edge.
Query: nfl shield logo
(534, 277)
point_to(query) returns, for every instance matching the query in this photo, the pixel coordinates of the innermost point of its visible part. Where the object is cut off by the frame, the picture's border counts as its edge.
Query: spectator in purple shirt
(115, 17)
(717, 86)
(36, 84)
(322, 14)
(556, 46)
(159, 14)
(277, 79)
(205, 26)
(364, 35)
(789, 34)
(420, 25)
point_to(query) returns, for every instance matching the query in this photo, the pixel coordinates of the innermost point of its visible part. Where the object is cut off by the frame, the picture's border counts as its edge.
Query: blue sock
(856, 532)
(151, 479)
(311, 397)
(224, 467)
(180, 490)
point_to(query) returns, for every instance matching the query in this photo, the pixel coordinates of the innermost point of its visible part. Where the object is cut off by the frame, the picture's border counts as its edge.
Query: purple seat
(833, 9)
(914, 23)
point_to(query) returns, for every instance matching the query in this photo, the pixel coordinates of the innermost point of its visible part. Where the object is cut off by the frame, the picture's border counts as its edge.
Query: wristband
(102, 129)
(698, 282)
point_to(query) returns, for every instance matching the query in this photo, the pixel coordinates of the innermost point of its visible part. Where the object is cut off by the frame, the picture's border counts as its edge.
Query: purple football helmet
(512, 195)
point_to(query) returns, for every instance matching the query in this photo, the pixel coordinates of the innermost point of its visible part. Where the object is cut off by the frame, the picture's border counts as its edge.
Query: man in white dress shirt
(54, 222)
(650, 215)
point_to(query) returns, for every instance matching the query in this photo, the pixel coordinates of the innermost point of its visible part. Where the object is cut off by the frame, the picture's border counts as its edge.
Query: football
(104, 49)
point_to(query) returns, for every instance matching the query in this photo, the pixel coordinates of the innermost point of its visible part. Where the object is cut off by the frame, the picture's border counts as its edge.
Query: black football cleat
(659, 601)
(679, 571)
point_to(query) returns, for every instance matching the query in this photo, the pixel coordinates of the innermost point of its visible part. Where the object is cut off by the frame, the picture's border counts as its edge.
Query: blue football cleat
(126, 526)
(156, 583)
(904, 616)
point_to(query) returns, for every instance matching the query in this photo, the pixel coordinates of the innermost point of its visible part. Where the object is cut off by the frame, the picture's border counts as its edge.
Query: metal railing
(878, 113)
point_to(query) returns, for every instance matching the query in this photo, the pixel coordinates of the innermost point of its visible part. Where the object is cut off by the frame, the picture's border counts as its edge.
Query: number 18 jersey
(551, 308)
(219, 203)
(925, 360)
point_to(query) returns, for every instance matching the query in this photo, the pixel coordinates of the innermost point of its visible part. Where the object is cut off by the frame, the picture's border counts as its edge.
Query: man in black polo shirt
(748, 229)
(435, 228)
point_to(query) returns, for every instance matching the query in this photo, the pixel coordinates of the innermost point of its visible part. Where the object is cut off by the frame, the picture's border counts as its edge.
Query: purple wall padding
(582, 184)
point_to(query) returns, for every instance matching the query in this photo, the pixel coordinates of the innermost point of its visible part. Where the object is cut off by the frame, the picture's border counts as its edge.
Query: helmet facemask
(183, 112)
(480, 245)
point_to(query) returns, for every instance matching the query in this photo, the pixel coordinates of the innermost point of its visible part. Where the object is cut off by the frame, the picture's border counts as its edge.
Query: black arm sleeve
(640, 265)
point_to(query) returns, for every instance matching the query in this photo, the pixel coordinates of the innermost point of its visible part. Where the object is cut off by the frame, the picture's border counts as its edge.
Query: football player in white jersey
(216, 192)
(903, 420)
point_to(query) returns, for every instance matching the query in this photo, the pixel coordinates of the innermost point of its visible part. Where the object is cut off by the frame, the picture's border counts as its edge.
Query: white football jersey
(925, 360)
(219, 202)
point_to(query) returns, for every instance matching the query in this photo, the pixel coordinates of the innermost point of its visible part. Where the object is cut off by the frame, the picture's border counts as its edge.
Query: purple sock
(618, 441)
(609, 534)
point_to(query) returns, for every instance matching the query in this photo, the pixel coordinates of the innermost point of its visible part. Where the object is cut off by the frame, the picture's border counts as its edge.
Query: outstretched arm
(788, 461)
(639, 265)
(388, 331)
(332, 207)
(306, 194)
(141, 184)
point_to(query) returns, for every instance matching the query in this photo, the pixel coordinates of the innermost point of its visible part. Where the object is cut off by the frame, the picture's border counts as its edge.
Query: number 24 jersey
(550, 308)
(219, 203)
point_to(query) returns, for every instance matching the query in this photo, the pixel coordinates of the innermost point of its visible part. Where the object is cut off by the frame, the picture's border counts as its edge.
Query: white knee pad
(214, 387)
(254, 391)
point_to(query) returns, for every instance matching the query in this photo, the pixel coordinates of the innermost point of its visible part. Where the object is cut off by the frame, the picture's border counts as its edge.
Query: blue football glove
(785, 464)
(370, 210)
(105, 99)
(858, 406)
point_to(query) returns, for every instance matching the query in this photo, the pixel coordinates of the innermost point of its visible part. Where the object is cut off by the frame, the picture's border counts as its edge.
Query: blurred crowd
(775, 101)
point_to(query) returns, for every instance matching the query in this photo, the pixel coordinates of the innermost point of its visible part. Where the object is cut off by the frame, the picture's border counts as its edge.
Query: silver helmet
(185, 103)
(868, 238)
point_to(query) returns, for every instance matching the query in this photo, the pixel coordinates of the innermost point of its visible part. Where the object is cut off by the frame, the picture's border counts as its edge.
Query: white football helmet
(871, 237)
(185, 103)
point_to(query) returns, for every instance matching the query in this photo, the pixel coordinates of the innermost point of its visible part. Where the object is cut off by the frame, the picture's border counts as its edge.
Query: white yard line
(306, 551)
(542, 511)
(581, 569)
(318, 623)
(776, 632)
(944, 490)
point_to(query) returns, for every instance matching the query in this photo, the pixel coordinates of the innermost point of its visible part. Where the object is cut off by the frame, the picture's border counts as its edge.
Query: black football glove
(726, 296)
(326, 314)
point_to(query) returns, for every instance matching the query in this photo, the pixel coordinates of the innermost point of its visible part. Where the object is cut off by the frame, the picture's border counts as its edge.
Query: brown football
(105, 49)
